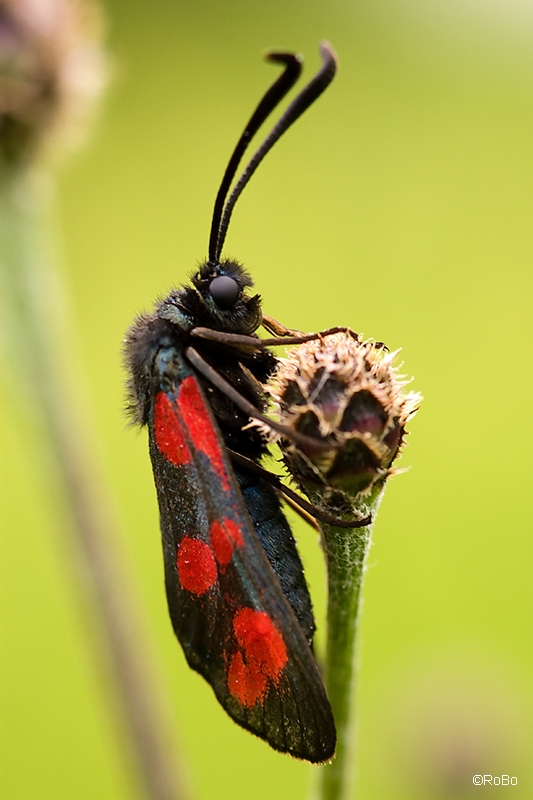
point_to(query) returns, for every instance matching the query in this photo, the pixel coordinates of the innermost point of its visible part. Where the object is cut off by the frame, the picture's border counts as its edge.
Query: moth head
(222, 289)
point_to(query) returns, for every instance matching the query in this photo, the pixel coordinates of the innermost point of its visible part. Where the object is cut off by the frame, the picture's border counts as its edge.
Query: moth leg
(241, 340)
(277, 329)
(241, 402)
(302, 514)
(307, 510)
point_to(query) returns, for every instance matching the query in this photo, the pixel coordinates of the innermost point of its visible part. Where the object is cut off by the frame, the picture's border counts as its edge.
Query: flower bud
(50, 71)
(348, 394)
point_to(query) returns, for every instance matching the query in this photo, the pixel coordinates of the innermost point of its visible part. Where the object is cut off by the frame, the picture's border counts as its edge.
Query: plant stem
(43, 362)
(346, 552)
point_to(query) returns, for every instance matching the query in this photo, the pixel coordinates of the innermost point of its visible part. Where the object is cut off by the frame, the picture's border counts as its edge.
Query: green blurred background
(399, 205)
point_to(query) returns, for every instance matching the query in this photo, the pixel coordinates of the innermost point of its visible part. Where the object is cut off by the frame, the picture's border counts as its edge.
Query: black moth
(237, 596)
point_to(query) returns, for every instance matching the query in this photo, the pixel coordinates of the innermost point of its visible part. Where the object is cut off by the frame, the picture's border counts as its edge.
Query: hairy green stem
(42, 364)
(346, 552)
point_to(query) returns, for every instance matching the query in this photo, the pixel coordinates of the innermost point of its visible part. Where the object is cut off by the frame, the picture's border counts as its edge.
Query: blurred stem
(39, 350)
(346, 552)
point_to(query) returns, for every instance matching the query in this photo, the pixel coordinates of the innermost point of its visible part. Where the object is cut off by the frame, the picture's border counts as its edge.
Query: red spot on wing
(260, 640)
(200, 427)
(246, 685)
(168, 432)
(261, 657)
(225, 536)
(197, 570)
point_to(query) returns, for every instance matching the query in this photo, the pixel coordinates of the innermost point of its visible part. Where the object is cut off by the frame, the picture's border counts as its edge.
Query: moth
(237, 596)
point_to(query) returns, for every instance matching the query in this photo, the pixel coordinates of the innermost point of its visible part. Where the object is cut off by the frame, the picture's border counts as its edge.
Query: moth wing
(227, 608)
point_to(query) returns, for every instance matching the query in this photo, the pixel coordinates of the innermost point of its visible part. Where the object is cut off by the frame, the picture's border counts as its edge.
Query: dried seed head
(347, 393)
(51, 69)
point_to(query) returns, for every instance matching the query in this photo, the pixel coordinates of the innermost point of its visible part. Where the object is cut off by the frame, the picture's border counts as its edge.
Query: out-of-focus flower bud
(348, 394)
(51, 69)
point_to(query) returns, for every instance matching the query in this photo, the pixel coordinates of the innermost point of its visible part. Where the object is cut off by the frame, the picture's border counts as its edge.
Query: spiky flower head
(348, 394)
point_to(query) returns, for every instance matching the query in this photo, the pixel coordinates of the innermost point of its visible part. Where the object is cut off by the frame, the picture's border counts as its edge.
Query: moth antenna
(293, 67)
(301, 103)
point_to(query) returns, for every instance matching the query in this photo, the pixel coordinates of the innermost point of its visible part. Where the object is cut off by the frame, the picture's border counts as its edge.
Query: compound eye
(224, 291)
